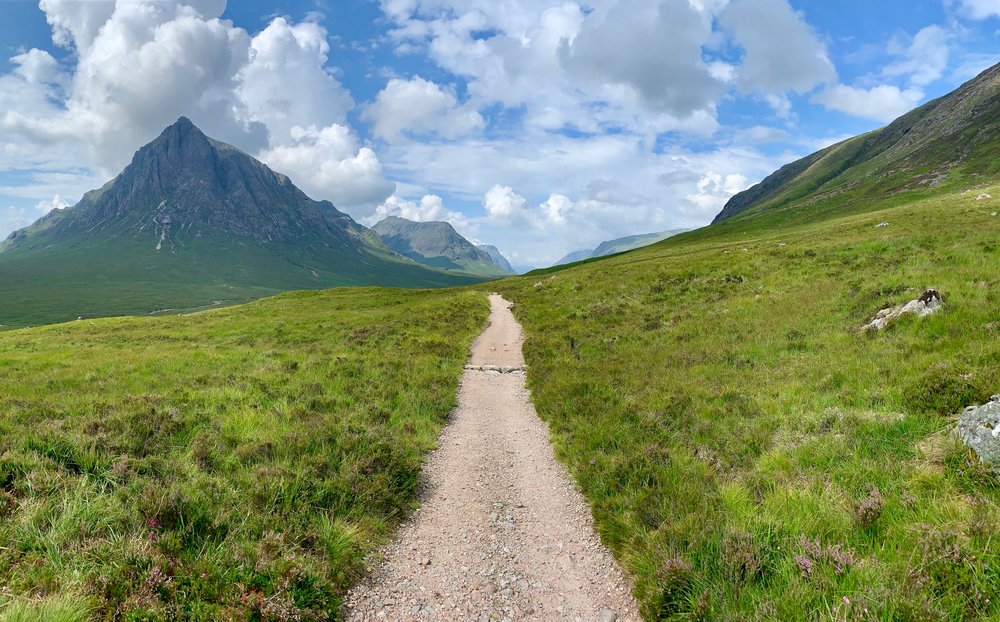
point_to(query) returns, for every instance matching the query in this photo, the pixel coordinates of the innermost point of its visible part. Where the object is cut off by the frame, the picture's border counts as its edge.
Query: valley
(223, 399)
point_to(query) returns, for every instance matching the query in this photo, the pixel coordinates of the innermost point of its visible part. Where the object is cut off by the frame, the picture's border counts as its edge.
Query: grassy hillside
(749, 453)
(232, 465)
(98, 278)
(190, 222)
(945, 141)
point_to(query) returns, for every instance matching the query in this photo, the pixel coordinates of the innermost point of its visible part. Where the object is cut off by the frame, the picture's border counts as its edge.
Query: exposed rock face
(497, 257)
(436, 244)
(928, 303)
(979, 428)
(184, 185)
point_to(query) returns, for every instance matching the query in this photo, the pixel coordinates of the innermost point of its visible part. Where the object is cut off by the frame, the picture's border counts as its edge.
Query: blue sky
(541, 126)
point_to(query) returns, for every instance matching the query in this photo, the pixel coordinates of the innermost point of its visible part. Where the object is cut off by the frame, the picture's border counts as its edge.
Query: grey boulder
(979, 428)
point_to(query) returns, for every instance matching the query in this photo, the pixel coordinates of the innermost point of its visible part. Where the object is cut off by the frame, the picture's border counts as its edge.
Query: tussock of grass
(58, 609)
(749, 452)
(233, 465)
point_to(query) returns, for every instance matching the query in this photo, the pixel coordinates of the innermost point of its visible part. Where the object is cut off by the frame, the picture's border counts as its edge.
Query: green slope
(943, 143)
(728, 420)
(127, 277)
(236, 464)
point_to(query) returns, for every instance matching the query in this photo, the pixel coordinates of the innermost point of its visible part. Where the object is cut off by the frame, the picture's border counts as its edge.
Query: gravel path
(502, 532)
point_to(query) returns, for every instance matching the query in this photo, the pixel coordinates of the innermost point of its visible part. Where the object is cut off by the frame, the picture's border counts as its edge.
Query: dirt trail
(502, 532)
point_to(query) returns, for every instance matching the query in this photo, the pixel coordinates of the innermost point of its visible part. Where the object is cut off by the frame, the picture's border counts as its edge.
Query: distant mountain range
(947, 138)
(619, 245)
(438, 245)
(191, 222)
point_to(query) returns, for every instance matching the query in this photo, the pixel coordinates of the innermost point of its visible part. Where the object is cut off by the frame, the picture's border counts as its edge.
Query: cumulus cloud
(632, 64)
(420, 108)
(714, 189)
(286, 82)
(328, 162)
(137, 65)
(881, 103)
(781, 53)
(650, 46)
(504, 206)
(55, 202)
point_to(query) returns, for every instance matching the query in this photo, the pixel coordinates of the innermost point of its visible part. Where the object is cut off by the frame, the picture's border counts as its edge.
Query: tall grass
(234, 465)
(749, 452)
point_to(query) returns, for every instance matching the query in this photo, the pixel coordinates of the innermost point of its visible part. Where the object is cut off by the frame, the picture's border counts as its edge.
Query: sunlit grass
(749, 452)
(233, 465)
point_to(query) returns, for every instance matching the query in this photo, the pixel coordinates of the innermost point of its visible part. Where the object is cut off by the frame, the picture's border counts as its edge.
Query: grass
(748, 452)
(122, 275)
(233, 465)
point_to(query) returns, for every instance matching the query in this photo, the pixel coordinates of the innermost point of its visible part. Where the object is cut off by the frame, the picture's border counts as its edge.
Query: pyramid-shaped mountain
(190, 222)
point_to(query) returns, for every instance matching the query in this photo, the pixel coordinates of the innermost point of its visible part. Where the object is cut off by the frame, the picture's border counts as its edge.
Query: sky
(539, 126)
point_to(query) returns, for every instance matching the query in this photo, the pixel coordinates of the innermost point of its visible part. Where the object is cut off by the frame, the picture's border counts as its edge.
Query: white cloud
(14, 217)
(328, 163)
(714, 189)
(881, 103)
(44, 207)
(781, 52)
(924, 58)
(420, 108)
(504, 206)
(38, 67)
(286, 82)
(632, 64)
(921, 60)
(980, 9)
(652, 47)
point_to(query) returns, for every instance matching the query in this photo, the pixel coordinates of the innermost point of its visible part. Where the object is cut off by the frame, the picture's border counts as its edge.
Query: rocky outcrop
(979, 428)
(928, 303)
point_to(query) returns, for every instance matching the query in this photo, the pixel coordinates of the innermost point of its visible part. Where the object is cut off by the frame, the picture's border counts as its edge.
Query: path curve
(502, 532)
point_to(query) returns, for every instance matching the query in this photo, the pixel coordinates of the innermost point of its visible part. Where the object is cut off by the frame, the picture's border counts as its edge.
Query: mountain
(619, 245)
(956, 136)
(575, 256)
(189, 222)
(497, 257)
(438, 245)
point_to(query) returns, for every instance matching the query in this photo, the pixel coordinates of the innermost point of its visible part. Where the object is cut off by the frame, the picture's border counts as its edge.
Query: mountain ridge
(920, 148)
(618, 245)
(188, 222)
(436, 244)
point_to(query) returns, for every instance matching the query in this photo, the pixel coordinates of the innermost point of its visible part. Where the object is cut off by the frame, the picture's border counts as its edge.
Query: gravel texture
(502, 532)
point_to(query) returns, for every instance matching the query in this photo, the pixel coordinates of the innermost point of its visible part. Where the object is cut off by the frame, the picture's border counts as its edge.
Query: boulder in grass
(979, 428)
(929, 302)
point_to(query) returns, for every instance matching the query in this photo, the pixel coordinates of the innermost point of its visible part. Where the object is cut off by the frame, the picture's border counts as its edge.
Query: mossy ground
(233, 465)
(749, 452)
